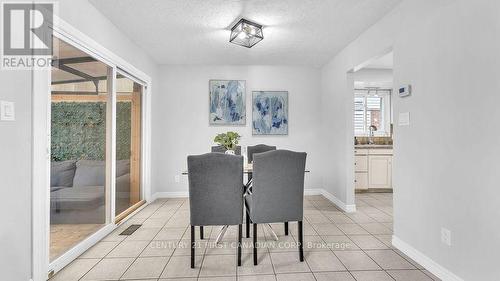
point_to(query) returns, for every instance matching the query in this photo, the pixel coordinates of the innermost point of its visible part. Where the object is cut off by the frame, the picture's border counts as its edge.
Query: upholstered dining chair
(259, 148)
(251, 150)
(278, 191)
(215, 193)
(222, 149)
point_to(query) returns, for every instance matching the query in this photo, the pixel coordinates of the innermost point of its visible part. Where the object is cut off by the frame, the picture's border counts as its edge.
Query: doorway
(80, 112)
(128, 195)
(373, 126)
(97, 150)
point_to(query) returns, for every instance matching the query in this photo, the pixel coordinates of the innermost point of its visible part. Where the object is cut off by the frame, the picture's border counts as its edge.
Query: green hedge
(79, 130)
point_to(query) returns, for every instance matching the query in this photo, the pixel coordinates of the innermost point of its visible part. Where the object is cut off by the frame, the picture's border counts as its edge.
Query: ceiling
(296, 32)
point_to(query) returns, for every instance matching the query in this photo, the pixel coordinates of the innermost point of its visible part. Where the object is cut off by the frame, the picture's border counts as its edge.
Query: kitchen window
(372, 107)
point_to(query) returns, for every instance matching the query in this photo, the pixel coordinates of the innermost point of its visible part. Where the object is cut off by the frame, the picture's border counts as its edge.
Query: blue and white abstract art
(270, 113)
(227, 102)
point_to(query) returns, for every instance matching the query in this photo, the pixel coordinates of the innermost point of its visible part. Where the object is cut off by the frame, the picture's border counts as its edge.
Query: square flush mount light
(246, 33)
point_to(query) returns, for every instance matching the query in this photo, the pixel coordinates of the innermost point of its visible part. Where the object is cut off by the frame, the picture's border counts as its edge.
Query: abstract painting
(270, 113)
(227, 102)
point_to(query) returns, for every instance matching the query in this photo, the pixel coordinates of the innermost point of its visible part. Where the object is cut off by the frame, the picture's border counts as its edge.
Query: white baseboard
(307, 191)
(348, 208)
(432, 266)
(176, 194)
(312, 191)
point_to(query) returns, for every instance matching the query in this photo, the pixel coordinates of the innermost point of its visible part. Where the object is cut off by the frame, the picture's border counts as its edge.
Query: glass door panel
(79, 147)
(128, 146)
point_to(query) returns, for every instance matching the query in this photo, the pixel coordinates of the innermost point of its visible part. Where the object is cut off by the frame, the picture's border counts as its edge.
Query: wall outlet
(177, 178)
(445, 236)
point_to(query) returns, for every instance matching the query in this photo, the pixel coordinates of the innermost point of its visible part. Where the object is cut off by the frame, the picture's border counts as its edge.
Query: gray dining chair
(251, 150)
(222, 149)
(277, 194)
(259, 148)
(215, 193)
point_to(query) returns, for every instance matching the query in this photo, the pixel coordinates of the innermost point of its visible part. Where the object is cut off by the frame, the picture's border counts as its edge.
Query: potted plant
(228, 140)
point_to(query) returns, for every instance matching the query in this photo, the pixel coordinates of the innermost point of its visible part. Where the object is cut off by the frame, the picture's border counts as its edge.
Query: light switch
(404, 119)
(7, 111)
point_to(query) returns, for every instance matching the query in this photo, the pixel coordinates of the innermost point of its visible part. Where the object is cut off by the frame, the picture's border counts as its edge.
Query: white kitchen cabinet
(361, 163)
(361, 180)
(373, 168)
(380, 171)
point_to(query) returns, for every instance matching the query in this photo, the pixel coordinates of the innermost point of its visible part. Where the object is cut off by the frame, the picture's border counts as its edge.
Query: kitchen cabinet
(361, 163)
(373, 168)
(361, 180)
(380, 171)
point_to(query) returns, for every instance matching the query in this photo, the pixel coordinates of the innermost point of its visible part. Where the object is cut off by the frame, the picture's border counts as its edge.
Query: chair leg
(201, 232)
(192, 245)
(301, 242)
(247, 223)
(286, 228)
(254, 244)
(240, 234)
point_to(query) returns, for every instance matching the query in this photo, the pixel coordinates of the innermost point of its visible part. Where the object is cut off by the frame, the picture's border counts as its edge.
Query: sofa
(77, 193)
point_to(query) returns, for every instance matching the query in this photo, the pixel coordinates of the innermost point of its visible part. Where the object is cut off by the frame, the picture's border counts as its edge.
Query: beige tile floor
(338, 247)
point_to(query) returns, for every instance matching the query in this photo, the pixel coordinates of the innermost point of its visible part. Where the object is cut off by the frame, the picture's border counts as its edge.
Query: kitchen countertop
(372, 146)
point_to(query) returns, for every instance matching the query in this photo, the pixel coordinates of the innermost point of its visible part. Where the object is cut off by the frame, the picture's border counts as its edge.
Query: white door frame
(41, 110)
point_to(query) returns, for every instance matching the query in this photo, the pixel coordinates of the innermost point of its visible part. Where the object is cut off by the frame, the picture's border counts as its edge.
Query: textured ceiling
(296, 32)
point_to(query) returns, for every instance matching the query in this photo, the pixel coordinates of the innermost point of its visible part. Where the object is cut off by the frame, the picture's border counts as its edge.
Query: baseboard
(432, 266)
(313, 191)
(348, 208)
(307, 191)
(176, 194)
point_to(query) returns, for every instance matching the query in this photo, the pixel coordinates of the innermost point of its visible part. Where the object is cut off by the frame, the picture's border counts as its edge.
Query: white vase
(230, 152)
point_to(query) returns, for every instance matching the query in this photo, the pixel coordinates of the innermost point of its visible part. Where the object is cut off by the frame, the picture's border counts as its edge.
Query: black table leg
(247, 222)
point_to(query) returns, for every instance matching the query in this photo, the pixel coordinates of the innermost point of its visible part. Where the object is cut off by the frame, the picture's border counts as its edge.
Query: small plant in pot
(228, 140)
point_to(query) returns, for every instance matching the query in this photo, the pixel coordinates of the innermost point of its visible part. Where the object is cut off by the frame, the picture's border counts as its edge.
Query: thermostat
(405, 90)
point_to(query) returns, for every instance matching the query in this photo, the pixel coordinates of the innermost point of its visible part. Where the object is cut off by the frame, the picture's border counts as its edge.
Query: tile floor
(338, 247)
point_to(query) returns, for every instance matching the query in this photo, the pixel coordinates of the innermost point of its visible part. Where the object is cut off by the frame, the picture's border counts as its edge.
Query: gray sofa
(77, 193)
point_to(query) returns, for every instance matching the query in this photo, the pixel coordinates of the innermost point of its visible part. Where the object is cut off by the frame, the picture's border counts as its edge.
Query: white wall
(16, 136)
(180, 116)
(373, 77)
(15, 178)
(445, 162)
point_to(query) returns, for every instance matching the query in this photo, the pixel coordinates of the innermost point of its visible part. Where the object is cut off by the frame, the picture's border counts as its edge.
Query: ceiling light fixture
(246, 33)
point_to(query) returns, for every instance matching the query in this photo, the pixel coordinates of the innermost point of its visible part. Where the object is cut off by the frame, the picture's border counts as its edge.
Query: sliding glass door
(96, 149)
(80, 147)
(129, 195)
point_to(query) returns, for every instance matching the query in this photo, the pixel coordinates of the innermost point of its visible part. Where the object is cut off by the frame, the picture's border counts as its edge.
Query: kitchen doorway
(373, 125)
